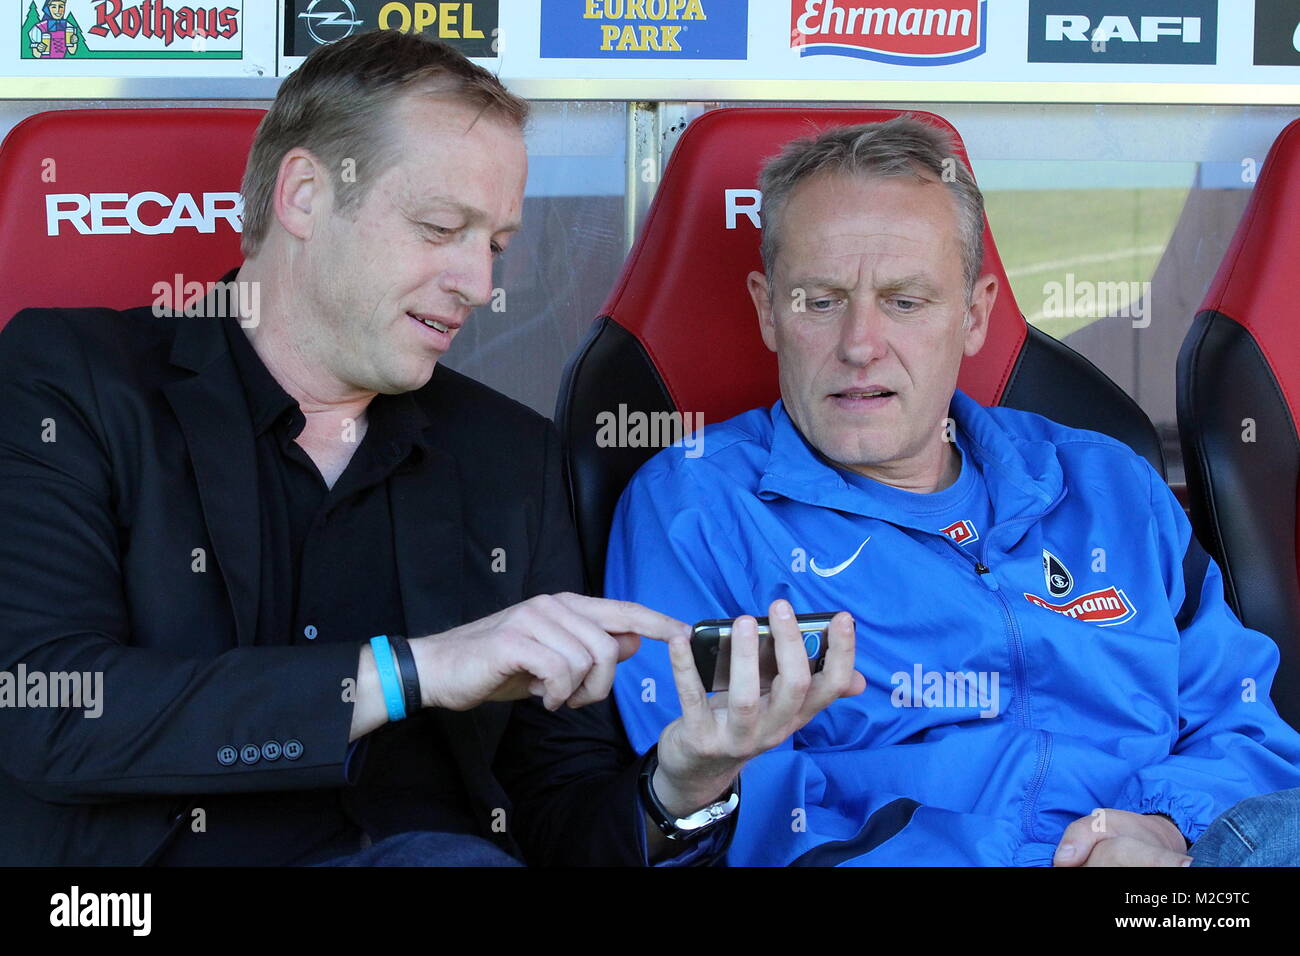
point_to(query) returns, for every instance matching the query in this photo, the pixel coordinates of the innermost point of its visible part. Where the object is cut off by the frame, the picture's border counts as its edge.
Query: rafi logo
(919, 34)
(120, 29)
(1060, 581)
(963, 532)
(645, 29)
(148, 213)
(1113, 31)
(1106, 607)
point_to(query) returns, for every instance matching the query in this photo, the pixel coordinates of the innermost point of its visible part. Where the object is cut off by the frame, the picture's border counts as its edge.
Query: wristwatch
(688, 827)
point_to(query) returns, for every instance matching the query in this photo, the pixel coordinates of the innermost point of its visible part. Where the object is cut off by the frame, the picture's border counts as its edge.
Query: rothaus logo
(156, 19)
(148, 213)
(1111, 31)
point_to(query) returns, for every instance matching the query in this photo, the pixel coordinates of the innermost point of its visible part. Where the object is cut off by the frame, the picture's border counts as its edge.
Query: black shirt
(329, 574)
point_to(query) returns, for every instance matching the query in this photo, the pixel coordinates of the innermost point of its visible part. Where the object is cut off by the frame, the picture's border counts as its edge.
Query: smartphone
(711, 644)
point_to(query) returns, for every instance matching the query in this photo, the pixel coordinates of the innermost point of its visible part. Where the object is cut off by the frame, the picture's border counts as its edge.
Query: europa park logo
(919, 34)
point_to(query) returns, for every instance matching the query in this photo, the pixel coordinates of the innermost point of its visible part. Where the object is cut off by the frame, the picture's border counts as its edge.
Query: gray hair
(904, 146)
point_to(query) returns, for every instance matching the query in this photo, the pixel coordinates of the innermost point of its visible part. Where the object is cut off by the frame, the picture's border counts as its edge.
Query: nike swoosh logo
(831, 572)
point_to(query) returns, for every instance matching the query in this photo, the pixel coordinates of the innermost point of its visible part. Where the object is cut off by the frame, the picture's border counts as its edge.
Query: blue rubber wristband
(388, 679)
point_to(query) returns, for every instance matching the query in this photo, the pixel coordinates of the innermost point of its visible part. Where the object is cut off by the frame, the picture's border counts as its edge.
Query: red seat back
(100, 205)
(1238, 404)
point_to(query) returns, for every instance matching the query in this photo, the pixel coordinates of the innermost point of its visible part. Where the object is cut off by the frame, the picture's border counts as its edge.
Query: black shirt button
(271, 750)
(292, 749)
(227, 756)
(250, 753)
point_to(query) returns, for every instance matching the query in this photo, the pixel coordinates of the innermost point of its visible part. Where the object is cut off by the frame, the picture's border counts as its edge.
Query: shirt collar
(398, 420)
(1022, 476)
(267, 399)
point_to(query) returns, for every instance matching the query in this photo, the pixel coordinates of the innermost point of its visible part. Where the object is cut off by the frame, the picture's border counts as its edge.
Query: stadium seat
(678, 333)
(101, 205)
(1238, 404)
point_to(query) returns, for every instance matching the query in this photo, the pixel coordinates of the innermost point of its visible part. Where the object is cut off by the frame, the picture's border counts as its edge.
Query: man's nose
(862, 333)
(469, 276)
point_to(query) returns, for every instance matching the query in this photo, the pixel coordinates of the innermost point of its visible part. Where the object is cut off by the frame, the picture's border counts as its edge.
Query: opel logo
(329, 25)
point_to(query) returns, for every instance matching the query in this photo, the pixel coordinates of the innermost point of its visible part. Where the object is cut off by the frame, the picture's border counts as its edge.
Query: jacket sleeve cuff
(709, 850)
(1188, 811)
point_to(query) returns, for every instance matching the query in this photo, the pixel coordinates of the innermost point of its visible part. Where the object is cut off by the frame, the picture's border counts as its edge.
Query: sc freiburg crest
(1059, 580)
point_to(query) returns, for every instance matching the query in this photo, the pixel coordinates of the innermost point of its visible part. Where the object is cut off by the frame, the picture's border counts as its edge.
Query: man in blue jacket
(1052, 675)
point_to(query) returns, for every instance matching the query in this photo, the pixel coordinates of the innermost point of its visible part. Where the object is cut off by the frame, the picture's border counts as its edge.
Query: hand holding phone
(711, 645)
(704, 749)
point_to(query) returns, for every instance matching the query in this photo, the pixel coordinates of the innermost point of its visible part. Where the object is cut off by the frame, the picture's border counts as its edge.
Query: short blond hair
(337, 104)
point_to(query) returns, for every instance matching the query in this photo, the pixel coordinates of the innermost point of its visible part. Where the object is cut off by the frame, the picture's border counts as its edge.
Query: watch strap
(689, 827)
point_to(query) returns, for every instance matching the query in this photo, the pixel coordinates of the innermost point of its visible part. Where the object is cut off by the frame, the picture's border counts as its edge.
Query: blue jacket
(1091, 663)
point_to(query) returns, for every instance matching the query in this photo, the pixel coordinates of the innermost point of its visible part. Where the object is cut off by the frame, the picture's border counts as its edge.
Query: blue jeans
(1259, 831)
(427, 848)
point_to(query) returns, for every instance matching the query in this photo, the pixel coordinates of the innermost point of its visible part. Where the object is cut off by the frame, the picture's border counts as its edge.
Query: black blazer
(125, 448)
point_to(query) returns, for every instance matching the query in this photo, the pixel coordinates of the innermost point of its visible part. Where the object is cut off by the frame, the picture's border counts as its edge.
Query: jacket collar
(1023, 477)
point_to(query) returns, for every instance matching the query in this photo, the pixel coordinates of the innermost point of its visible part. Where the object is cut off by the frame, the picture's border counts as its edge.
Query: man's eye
(905, 305)
(441, 232)
(821, 305)
(498, 250)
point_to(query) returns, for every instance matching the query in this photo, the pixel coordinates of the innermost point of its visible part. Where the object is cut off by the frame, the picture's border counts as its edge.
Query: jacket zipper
(1018, 668)
(1021, 673)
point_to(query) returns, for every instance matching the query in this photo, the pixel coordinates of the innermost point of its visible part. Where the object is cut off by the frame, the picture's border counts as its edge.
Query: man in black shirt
(238, 521)
(329, 573)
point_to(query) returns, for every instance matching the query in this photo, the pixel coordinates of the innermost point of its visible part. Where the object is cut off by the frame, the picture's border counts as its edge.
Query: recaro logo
(1109, 31)
(148, 213)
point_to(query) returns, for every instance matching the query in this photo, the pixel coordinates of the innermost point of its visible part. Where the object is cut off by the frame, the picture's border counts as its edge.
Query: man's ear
(978, 313)
(302, 193)
(761, 294)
